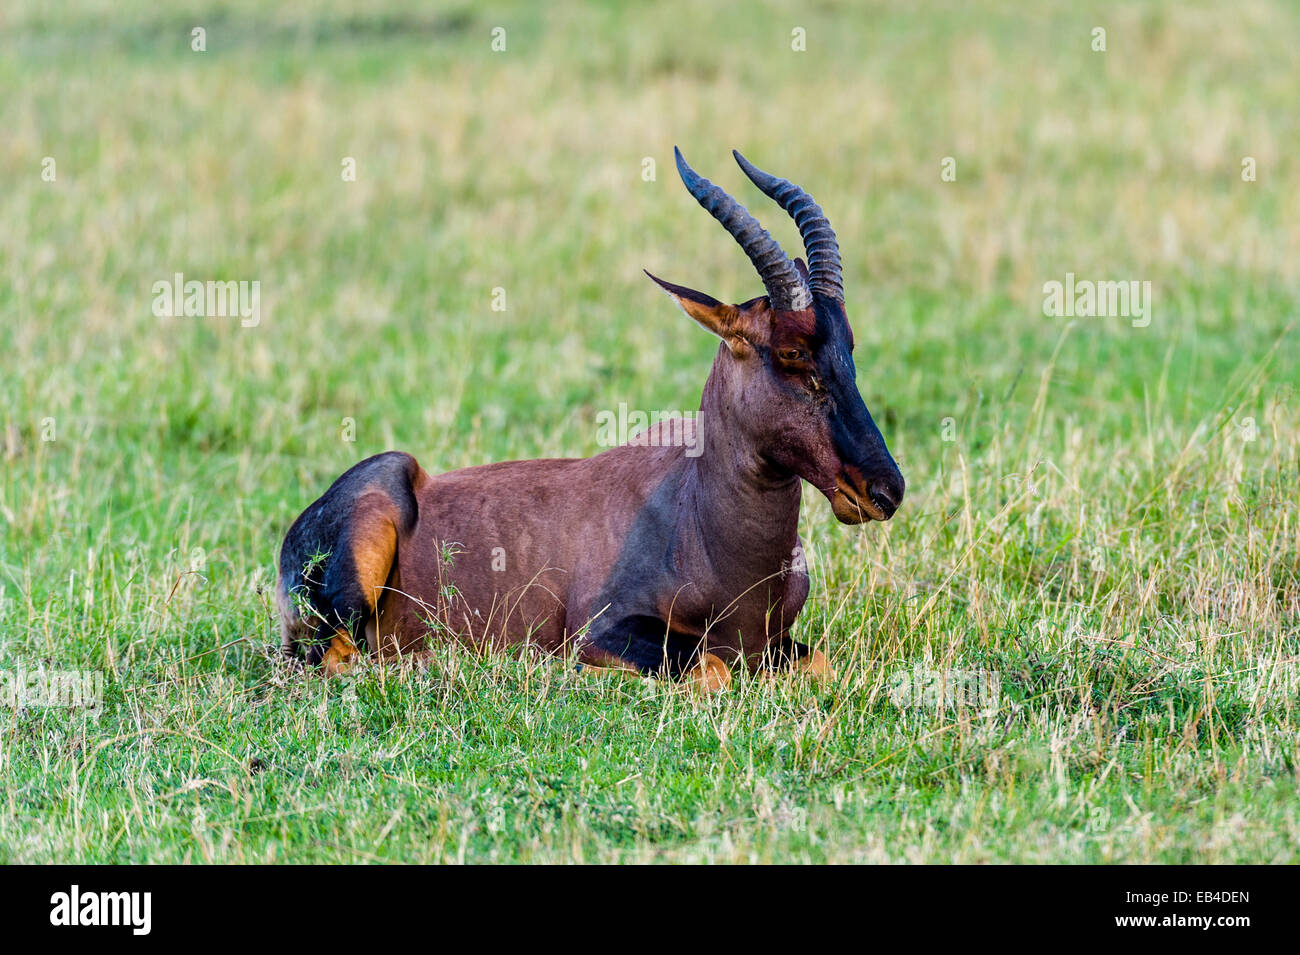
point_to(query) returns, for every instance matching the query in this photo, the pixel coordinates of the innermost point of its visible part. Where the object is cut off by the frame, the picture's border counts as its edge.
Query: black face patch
(858, 441)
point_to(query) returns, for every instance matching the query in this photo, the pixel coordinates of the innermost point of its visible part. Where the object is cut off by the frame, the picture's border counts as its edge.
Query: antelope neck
(747, 513)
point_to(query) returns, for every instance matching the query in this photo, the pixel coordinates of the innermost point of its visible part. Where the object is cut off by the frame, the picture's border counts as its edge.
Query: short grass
(1077, 642)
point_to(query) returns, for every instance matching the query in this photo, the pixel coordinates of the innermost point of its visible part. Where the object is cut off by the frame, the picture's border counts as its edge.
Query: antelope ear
(728, 322)
(803, 270)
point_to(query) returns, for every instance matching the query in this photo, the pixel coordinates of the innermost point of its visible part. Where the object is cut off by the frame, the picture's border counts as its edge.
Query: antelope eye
(791, 354)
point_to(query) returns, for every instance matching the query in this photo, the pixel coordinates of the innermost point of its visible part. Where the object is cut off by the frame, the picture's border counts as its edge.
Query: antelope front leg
(644, 646)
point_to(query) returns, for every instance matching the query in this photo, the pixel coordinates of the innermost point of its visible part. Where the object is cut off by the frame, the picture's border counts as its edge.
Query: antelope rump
(642, 558)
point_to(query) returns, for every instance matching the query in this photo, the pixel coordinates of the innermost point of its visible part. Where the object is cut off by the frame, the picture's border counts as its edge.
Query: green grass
(1105, 531)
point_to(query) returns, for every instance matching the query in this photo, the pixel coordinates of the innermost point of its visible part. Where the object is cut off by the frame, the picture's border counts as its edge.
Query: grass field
(1078, 641)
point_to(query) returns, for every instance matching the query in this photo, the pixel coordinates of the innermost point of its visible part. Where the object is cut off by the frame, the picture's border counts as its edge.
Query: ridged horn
(825, 272)
(784, 285)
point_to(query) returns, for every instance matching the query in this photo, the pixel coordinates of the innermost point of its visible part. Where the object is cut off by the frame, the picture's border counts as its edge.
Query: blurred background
(522, 169)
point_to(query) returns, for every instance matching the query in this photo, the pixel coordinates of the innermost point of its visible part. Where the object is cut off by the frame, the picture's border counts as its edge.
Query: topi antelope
(643, 558)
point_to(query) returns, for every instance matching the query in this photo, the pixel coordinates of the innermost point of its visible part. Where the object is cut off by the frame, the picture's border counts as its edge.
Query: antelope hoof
(341, 655)
(710, 675)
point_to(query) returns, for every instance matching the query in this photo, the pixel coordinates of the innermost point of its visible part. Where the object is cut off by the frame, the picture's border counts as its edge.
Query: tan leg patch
(593, 662)
(626, 672)
(341, 655)
(813, 666)
(374, 544)
(710, 675)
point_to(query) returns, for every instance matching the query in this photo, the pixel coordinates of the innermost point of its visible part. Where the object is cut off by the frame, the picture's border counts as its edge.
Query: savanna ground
(1097, 556)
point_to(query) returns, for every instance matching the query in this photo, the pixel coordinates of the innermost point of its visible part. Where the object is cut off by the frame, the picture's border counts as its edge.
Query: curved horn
(784, 284)
(825, 273)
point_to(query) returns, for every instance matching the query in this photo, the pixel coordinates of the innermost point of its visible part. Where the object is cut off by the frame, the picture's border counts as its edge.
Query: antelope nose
(886, 494)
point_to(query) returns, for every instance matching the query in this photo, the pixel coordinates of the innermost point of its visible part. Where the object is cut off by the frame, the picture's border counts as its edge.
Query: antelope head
(787, 372)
